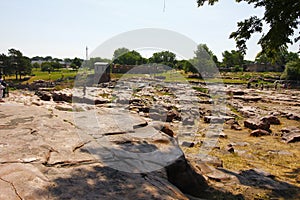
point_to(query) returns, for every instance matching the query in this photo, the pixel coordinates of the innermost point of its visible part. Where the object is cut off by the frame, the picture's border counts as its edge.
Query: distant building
(37, 61)
(63, 63)
(261, 67)
(102, 72)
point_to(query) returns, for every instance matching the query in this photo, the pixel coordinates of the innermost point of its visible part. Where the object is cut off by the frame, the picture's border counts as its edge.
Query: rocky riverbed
(149, 139)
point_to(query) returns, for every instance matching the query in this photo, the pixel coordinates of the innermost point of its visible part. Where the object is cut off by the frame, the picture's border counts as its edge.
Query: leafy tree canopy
(281, 58)
(120, 51)
(17, 63)
(130, 58)
(165, 57)
(204, 61)
(76, 63)
(233, 58)
(292, 71)
(283, 18)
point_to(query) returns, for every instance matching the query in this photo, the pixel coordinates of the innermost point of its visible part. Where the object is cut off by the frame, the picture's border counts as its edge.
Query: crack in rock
(68, 163)
(14, 188)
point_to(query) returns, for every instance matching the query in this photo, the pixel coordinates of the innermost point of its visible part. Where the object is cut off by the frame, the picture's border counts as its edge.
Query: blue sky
(63, 28)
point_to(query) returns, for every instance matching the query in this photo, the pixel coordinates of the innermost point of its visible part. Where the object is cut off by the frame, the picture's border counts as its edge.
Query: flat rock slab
(217, 175)
(291, 137)
(43, 156)
(217, 119)
(248, 98)
(291, 134)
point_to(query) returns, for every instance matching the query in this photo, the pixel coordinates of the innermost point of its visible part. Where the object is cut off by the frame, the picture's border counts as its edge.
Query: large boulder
(257, 124)
(59, 96)
(43, 95)
(293, 116)
(234, 124)
(271, 120)
(173, 115)
(182, 175)
(259, 132)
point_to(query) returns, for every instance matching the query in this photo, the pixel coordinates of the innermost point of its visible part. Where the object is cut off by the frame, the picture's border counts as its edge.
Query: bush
(46, 66)
(237, 68)
(292, 71)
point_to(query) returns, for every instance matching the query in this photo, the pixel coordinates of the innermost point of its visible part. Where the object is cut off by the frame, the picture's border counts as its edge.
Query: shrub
(292, 71)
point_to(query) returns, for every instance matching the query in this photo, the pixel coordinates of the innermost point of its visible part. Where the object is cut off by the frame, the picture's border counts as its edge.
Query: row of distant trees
(15, 63)
(51, 64)
(204, 61)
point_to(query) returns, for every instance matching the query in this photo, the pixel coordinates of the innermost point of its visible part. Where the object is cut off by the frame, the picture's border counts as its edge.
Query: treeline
(206, 62)
(15, 63)
(51, 64)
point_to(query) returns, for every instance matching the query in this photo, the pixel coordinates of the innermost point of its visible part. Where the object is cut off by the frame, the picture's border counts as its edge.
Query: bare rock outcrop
(45, 154)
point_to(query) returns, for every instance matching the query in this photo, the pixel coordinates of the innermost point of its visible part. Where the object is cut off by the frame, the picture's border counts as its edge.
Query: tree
(120, 51)
(280, 58)
(212, 55)
(36, 65)
(232, 59)
(48, 58)
(19, 64)
(37, 58)
(282, 16)
(76, 63)
(186, 66)
(47, 67)
(4, 62)
(165, 57)
(292, 71)
(204, 61)
(130, 58)
(67, 60)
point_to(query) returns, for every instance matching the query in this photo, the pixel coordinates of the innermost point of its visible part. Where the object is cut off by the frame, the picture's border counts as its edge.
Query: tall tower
(86, 53)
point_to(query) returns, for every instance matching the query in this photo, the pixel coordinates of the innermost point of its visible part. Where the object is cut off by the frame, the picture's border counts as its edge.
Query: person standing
(3, 83)
(1, 89)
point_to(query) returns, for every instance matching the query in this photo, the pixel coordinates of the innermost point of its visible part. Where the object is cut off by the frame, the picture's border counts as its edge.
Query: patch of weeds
(201, 89)
(261, 196)
(164, 93)
(104, 95)
(58, 87)
(136, 90)
(236, 112)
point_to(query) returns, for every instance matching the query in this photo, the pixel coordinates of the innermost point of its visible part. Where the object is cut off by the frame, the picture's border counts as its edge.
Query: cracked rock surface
(45, 155)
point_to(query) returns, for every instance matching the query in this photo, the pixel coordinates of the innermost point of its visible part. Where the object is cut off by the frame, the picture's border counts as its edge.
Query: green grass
(170, 76)
(200, 89)
(219, 80)
(249, 75)
(37, 74)
(40, 75)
